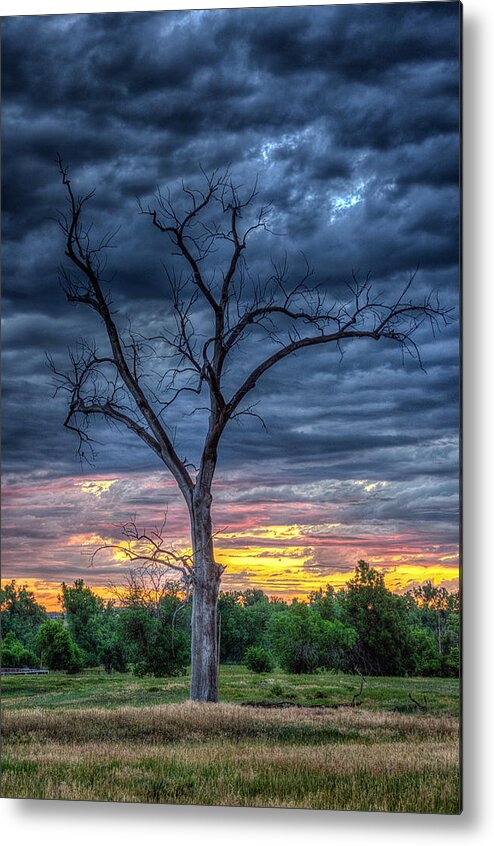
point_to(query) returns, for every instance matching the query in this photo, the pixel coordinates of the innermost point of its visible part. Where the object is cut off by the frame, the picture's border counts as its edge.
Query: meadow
(120, 738)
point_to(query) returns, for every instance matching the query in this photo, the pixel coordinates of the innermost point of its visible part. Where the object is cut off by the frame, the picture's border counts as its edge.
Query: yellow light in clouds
(267, 532)
(403, 576)
(260, 557)
(102, 545)
(263, 568)
(87, 540)
(278, 572)
(368, 486)
(283, 571)
(96, 487)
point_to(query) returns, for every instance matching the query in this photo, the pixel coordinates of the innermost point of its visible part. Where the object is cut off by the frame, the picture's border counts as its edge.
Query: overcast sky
(348, 116)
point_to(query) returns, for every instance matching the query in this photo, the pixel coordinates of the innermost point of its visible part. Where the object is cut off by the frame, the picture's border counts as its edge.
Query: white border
(45, 823)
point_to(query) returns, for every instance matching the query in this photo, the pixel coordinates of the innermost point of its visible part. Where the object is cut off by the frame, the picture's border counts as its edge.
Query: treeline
(363, 627)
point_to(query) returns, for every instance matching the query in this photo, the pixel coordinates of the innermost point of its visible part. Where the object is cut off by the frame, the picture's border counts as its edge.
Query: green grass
(237, 684)
(118, 738)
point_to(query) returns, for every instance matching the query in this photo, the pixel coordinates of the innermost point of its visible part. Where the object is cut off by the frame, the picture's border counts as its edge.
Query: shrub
(258, 660)
(58, 650)
(303, 641)
(153, 646)
(15, 654)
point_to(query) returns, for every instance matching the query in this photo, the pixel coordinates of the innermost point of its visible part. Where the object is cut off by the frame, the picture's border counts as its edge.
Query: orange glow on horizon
(285, 572)
(47, 593)
(286, 560)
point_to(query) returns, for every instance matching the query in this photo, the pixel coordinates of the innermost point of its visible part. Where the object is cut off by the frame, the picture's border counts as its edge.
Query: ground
(119, 738)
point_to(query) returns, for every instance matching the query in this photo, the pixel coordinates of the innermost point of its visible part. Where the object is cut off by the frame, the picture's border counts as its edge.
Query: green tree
(20, 613)
(105, 634)
(244, 619)
(81, 607)
(327, 602)
(436, 604)
(153, 646)
(234, 635)
(384, 644)
(154, 627)
(15, 654)
(450, 664)
(256, 611)
(426, 658)
(302, 641)
(58, 650)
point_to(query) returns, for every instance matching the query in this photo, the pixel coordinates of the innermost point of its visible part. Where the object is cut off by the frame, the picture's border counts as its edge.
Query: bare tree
(214, 313)
(148, 581)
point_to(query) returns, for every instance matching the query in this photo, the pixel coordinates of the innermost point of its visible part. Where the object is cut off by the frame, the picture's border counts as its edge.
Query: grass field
(119, 738)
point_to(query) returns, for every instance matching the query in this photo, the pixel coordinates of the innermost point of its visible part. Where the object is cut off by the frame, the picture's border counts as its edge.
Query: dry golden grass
(192, 719)
(233, 755)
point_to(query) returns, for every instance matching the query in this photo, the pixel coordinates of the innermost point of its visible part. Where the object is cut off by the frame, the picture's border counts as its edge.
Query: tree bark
(207, 577)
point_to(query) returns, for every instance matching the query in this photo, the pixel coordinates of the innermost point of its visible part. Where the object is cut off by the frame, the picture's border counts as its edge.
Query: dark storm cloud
(348, 115)
(386, 37)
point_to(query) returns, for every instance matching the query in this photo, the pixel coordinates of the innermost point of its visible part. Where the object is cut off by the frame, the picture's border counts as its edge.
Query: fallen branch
(423, 707)
(359, 694)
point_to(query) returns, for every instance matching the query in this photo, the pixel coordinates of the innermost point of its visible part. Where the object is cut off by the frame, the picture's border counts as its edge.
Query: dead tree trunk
(206, 586)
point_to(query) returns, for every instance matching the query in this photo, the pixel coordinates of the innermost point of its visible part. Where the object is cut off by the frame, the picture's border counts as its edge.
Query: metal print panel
(231, 418)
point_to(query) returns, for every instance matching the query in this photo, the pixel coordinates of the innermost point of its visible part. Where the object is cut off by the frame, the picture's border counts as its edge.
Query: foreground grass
(59, 743)
(229, 755)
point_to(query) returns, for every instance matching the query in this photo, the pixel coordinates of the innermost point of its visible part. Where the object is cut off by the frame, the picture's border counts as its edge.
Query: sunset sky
(349, 118)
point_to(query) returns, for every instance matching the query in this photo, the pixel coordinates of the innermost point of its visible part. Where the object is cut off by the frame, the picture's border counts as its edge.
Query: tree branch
(369, 318)
(80, 253)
